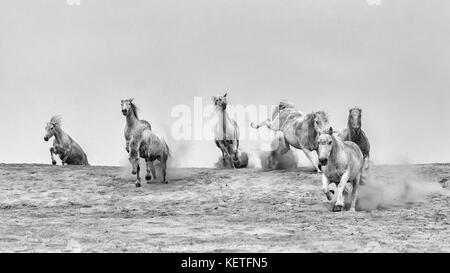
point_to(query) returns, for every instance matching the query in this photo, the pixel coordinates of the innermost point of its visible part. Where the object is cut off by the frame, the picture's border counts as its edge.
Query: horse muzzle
(323, 161)
(46, 138)
(124, 112)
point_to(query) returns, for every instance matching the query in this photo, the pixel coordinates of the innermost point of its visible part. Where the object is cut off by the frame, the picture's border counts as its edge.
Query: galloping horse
(68, 150)
(226, 133)
(299, 131)
(150, 147)
(354, 133)
(134, 128)
(342, 162)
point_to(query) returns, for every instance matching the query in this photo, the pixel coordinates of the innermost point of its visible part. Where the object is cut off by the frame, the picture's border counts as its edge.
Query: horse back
(78, 156)
(355, 157)
(153, 146)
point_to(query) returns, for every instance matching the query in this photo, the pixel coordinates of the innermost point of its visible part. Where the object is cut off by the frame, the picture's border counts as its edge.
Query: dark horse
(355, 134)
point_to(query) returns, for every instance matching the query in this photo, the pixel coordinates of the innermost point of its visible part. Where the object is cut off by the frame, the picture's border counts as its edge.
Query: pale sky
(391, 60)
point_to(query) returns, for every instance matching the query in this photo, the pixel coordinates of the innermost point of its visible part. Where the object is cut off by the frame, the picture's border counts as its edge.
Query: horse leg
(257, 126)
(138, 178)
(66, 156)
(309, 155)
(151, 173)
(340, 192)
(225, 153)
(135, 168)
(355, 193)
(127, 146)
(286, 148)
(224, 160)
(52, 151)
(234, 151)
(163, 164)
(325, 185)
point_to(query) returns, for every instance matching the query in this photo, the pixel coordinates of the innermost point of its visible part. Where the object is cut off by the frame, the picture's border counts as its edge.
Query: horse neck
(354, 135)
(59, 134)
(223, 120)
(132, 120)
(336, 149)
(311, 133)
(223, 116)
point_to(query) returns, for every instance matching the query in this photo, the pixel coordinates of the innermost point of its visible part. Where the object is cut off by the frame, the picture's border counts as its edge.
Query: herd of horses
(343, 157)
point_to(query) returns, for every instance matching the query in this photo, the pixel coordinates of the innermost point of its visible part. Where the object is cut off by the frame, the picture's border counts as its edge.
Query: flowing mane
(309, 120)
(56, 120)
(135, 109)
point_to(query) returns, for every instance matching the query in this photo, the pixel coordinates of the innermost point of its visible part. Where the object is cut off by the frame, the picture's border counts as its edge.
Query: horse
(354, 133)
(134, 128)
(226, 133)
(342, 162)
(151, 147)
(299, 130)
(64, 146)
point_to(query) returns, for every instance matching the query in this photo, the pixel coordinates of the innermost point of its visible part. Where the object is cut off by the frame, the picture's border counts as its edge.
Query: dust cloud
(398, 188)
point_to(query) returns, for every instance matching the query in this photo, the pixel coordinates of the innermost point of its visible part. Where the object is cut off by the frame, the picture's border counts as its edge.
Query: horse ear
(213, 98)
(330, 131)
(225, 95)
(131, 99)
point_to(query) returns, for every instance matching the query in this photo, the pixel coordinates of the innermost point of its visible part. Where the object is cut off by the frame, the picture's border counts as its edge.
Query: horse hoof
(166, 182)
(138, 185)
(337, 208)
(148, 177)
(54, 162)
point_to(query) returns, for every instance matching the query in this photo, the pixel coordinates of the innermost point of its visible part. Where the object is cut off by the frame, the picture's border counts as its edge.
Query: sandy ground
(98, 209)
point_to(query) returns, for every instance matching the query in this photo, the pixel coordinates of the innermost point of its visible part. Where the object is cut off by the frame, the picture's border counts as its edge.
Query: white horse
(342, 162)
(134, 128)
(68, 150)
(151, 147)
(226, 133)
(299, 131)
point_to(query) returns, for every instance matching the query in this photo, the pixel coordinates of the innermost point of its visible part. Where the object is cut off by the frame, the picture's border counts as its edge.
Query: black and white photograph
(225, 126)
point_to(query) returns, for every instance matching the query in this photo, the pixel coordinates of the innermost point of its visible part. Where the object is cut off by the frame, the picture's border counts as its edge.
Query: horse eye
(329, 143)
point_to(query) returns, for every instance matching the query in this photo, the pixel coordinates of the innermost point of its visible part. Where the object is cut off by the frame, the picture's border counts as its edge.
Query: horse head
(50, 128)
(127, 106)
(220, 102)
(325, 142)
(354, 119)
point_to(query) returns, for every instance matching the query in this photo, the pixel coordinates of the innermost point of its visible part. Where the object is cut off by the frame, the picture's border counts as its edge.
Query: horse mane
(135, 109)
(309, 120)
(56, 120)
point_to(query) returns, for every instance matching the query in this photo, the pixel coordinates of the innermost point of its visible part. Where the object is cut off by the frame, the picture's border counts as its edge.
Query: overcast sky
(392, 60)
